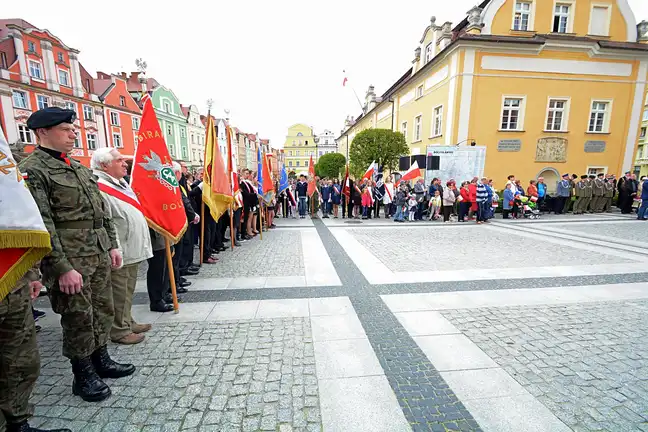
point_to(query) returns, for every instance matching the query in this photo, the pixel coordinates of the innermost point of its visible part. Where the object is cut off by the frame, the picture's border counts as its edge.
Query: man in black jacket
(180, 263)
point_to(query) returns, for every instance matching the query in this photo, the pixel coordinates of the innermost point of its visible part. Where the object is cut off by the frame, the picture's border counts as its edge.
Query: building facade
(524, 87)
(326, 143)
(172, 121)
(121, 112)
(195, 134)
(37, 70)
(299, 147)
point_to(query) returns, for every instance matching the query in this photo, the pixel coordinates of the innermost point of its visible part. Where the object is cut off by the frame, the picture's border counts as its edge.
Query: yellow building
(299, 147)
(641, 160)
(525, 87)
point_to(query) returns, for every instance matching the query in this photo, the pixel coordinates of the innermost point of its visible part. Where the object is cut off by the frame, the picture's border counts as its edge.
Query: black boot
(107, 367)
(24, 427)
(87, 383)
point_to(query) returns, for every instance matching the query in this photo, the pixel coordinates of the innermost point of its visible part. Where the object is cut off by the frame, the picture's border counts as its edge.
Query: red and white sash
(125, 195)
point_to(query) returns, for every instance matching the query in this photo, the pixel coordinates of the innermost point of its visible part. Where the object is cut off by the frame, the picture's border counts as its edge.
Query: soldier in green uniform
(84, 246)
(590, 194)
(580, 195)
(608, 194)
(19, 359)
(598, 190)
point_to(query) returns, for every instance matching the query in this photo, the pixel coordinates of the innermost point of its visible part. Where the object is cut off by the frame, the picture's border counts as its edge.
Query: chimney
(124, 76)
(446, 36)
(475, 23)
(642, 32)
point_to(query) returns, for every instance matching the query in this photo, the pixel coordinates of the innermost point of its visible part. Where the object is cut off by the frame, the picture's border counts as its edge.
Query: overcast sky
(271, 63)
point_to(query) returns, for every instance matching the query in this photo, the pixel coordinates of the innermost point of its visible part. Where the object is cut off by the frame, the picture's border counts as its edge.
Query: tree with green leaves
(330, 165)
(381, 145)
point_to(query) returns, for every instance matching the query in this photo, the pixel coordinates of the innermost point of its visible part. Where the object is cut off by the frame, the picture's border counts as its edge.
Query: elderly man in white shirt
(134, 240)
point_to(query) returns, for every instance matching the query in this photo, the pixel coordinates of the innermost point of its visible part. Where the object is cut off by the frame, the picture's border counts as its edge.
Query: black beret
(584, 176)
(49, 117)
(601, 174)
(592, 176)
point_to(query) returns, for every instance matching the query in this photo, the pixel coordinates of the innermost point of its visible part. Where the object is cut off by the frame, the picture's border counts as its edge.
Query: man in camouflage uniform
(598, 192)
(84, 246)
(609, 194)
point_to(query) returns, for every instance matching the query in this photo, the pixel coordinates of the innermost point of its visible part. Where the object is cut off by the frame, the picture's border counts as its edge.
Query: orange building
(121, 112)
(37, 70)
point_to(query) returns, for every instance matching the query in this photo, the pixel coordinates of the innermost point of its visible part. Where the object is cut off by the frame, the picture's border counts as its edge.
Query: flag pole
(174, 293)
(232, 233)
(261, 219)
(202, 230)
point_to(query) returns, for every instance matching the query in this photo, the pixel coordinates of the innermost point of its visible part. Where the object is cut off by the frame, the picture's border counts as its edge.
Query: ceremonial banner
(231, 163)
(346, 187)
(154, 181)
(411, 174)
(283, 181)
(217, 191)
(312, 185)
(23, 237)
(370, 171)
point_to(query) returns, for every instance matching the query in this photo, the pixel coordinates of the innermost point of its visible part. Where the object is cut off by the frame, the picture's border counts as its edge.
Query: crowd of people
(476, 199)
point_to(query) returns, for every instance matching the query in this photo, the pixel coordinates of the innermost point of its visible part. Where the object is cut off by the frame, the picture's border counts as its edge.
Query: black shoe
(236, 243)
(184, 284)
(169, 299)
(161, 307)
(107, 367)
(195, 267)
(86, 383)
(188, 272)
(225, 239)
(24, 427)
(181, 280)
(182, 290)
(37, 314)
(222, 249)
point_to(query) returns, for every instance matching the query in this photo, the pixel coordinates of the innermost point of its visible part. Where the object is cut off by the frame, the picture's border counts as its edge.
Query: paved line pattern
(425, 398)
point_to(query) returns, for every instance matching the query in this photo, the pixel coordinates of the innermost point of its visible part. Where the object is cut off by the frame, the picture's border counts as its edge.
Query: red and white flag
(345, 80)
(411, 174)
(370, 171)
(346, 187)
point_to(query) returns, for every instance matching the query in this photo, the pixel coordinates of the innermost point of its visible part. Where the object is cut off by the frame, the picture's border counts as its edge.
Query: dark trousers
(506, 213)
(237, 221)
(186, 260)
(463, 210)
(420, 207)
(157, 277)
(178, 252)
(210, 231)
(559, 204)
(344, 206)
(447, 211)
(541, 203)
(482, 211)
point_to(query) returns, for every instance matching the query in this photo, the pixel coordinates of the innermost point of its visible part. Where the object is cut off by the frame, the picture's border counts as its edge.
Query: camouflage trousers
(86, 317)
(19, 358)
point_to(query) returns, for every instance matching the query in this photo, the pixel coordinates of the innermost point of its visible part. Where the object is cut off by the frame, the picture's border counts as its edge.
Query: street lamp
(473, 143)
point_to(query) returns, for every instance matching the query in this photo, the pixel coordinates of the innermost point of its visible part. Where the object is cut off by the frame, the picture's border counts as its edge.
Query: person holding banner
(84, 248)
(124, 208)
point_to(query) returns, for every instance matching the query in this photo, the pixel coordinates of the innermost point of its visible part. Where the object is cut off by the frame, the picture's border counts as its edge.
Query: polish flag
(370, 171)
(411, 174)
(345, 79)
(346, 187)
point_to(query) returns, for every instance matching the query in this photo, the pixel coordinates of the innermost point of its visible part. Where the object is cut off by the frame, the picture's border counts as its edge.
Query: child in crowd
(435, 205)
(412, 204)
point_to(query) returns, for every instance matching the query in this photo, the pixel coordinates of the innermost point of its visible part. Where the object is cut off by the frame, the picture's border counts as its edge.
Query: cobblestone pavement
(391, 246)
(279, 254)
(587, 363)
(235, 376)
(622, 231)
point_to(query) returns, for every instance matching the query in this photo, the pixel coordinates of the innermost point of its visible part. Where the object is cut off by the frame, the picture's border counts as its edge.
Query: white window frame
(135, 140)
(642, 132)
(135, 121)
(419, 91)
(87, 109)
(26, 133)
(290, 164)
(47, 99)
(531, 14)
(608, 21)
(297, 163)
(31, 62)
(166, 104)
(31, 44)
(25, 99)
(597, 168)
(114, 118)
(183, 133)
(169, 129)
(645, 115)
(564, 124)
(570, 18)
(437, 121)
(77, 141)
(91, 139)
(67, 79)
(606, 119)
(429, 52)
(521, 112)
(71, 106)
(404, 130)
(418, 128)
(59, 56)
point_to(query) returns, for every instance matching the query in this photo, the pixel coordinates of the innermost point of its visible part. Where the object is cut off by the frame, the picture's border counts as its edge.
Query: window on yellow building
(645, 115)
(419, 91)
(404, 129)
(297, 163)
(599, 117)
(437, 124)
(599, 20)
(561, 18)
(290, 153)
(290, 163)
(557, 115)
(511, 114)
(643, 133)
(305, 163)
(522, 16)
(296, 152)
(417, 128)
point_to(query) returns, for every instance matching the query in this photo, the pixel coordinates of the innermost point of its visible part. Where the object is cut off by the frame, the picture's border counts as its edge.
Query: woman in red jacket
(472, 193)
(464, 205)
(532, 190)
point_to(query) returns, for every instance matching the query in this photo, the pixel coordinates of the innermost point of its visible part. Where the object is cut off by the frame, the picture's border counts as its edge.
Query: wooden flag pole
(174, 293)
(261, 220)
(232, 232)
(202, 231)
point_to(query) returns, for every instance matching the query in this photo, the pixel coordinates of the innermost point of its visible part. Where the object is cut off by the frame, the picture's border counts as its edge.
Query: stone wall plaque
(552, 149)
(509, 145)
(594, 146)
